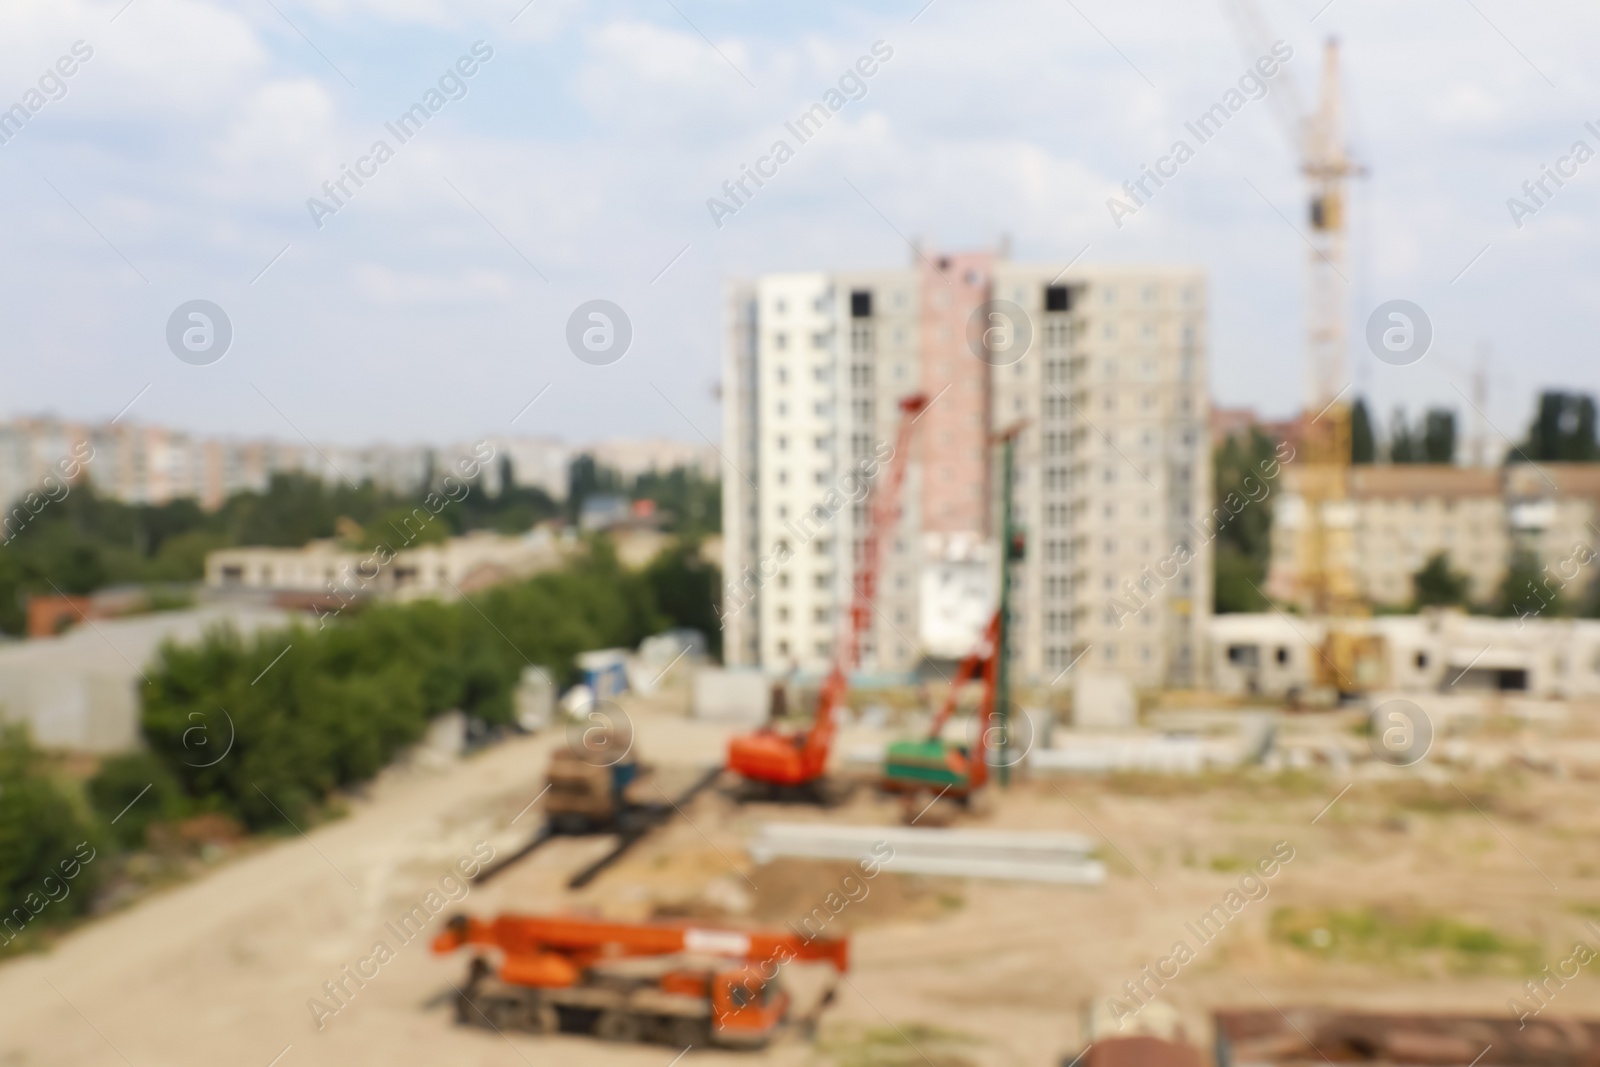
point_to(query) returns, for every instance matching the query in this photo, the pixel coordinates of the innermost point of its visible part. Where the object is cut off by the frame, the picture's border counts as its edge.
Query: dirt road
(221, 970)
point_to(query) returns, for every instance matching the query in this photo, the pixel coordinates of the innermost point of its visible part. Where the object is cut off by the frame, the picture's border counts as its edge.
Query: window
(1282, 656)
(861, 304)
(780, 340)
(1244, 655)
(1057, 298)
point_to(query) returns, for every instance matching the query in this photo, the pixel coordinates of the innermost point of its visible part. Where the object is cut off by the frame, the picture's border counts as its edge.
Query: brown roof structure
(1322, 1035)
(1411, 481)
(1141, 1050)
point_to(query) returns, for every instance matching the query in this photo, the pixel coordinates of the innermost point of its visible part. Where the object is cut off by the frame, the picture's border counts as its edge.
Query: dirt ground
(1436, 887)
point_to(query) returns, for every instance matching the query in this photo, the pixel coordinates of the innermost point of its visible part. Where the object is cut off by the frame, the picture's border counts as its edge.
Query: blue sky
(584, 152)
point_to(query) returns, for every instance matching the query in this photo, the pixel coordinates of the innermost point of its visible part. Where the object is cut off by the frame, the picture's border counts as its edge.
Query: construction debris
(1002, 854)
(1090, 754)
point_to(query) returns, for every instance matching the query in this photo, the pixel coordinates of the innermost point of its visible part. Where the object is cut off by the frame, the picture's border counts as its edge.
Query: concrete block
(730, 695)
(1103, 702)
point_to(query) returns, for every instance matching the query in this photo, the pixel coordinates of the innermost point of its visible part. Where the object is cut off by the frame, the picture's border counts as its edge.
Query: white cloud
(591, 143)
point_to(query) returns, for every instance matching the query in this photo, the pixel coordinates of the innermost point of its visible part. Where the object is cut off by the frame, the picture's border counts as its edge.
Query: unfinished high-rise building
(1105, 368)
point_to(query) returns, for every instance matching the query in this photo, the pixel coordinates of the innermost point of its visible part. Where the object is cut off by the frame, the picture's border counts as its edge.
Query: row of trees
(689, 504)
(344, 699)
(1563, 430)
(1527, 588)
(234, 730)
(84, 542)
(1432, 440)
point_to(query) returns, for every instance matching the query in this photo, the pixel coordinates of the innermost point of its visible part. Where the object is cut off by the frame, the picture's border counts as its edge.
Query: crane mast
(1324, 582)
(1327, 583)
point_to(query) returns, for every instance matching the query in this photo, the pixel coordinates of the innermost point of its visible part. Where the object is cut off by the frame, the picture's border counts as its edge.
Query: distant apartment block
(631, 458)
(1113, 460)
(140, 464)
(1401, 515)
(443, 570)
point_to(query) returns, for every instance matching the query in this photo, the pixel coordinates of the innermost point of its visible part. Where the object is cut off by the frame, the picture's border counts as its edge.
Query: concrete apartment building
(140, 464)
(815, 365)
(1404, 514)
(1113, 474)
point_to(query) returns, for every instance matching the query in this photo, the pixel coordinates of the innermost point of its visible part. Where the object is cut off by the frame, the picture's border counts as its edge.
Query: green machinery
(952, 769)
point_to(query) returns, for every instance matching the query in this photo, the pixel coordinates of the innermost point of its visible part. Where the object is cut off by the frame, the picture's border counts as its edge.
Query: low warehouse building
(80, 691)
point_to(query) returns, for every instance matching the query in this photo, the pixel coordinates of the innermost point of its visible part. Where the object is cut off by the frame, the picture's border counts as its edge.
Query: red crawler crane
(799, 760)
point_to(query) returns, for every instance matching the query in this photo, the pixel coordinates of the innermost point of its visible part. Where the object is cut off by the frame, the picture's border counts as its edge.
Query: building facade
(1113, 477)
(1402, 515)
(139, 464)
(1105, 371)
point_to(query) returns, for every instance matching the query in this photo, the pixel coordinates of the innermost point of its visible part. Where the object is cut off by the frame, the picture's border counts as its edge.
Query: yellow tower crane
(1324, 581)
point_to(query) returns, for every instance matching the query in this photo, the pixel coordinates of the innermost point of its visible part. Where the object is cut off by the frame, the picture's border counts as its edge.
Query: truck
(589, 791)
(672, 983)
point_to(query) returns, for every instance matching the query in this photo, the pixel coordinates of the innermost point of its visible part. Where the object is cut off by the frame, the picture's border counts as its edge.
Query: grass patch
(905, 1045)
(1404, 940)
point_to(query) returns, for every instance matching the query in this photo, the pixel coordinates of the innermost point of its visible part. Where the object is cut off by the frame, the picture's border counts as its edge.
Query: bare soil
(1433, 887)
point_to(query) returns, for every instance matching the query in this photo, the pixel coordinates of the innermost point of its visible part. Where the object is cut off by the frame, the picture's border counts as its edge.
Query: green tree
(405, 527)
(1439, 436)
(1436, 584)
(132, 791)
(1527, 590)
(687, 590)
(1363, 446)
(346, 697)
(1403, 445)
(1243, 540)
(1563, 429)
(586, 478)
(690, 504)
(83, 542)
(47, 847)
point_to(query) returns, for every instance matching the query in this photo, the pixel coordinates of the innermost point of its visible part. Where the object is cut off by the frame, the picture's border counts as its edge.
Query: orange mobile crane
(798, 761)
(683, 985)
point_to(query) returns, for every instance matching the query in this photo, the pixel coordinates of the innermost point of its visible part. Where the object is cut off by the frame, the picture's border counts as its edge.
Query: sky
(575, 163)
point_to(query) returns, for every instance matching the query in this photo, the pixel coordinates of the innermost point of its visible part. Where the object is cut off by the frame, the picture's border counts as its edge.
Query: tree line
(263, 730)
(84, 541)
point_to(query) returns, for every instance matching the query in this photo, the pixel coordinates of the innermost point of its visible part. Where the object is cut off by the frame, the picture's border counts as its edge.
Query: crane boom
(776, 759)
(590, 940)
